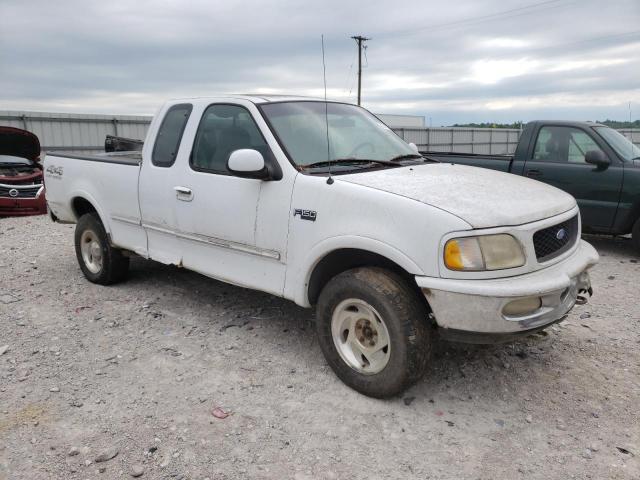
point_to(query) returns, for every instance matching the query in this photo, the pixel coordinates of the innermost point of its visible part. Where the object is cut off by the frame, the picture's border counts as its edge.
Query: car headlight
(485, 252)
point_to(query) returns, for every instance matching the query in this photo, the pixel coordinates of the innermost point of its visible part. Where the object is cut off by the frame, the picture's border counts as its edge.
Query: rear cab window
(169, 135)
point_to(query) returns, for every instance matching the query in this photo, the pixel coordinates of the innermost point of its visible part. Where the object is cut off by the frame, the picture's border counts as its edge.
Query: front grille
(23, 192)
(553, 241)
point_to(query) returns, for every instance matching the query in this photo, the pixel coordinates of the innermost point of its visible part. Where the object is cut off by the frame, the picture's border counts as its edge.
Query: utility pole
(360, 41)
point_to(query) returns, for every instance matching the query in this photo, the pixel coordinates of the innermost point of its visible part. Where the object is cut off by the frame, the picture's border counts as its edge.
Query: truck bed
(121, 158)
(108, 181)
(494, 162)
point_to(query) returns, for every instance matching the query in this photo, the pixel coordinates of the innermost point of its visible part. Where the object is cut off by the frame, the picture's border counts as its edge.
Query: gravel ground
(137, 370)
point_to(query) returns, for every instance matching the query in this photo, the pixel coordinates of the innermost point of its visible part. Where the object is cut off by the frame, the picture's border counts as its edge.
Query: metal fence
(632, 134)
(82, 133)
(490, 141)
(79, 133)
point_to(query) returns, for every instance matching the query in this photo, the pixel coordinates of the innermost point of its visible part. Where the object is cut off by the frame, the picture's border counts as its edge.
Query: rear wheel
(373, 330)
(635, 236)
(99, 261)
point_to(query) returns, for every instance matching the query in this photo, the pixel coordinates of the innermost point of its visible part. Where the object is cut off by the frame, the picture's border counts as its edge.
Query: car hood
(483, 198)
(19, 143)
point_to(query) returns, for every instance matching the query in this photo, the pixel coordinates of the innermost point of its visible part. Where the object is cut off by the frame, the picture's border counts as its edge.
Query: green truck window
(563, 144)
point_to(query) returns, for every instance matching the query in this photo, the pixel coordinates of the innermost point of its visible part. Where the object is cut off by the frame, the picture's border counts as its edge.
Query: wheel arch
(82, 204)
(340, 259)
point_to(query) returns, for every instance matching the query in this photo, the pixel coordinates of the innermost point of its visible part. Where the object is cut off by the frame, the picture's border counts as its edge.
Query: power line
(349, 79)
(589, 40)
(513, 12)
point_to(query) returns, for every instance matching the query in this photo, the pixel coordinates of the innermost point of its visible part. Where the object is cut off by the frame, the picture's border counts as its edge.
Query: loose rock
(7, 298)
(107, 454)
(136, 471)
(220, 413)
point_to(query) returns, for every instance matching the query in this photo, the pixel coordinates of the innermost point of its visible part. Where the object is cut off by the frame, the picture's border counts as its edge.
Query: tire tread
(115, 265)
(411, 313)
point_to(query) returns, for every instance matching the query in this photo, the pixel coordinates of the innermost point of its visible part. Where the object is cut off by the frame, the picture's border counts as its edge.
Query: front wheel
(99, 261)
(374, 331)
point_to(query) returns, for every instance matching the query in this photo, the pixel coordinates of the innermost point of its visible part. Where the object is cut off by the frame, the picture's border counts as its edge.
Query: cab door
(156, 193)
(221, 216)
(558, 158)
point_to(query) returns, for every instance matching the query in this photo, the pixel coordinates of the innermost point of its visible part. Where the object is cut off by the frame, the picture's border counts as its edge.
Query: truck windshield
(355, 135)
(623, 147)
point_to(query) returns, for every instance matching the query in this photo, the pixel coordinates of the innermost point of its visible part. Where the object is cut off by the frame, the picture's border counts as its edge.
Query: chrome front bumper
(476, 306)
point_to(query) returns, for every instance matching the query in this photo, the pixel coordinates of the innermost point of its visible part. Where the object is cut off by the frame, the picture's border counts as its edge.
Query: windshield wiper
(350, 160)
(406, 156)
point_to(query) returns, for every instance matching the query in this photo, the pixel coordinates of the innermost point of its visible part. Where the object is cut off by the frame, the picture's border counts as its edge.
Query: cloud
(452, 61)
(493, 71)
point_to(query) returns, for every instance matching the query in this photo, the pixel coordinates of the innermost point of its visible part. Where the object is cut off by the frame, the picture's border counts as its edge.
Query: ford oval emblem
(560, 234)
(13, 192)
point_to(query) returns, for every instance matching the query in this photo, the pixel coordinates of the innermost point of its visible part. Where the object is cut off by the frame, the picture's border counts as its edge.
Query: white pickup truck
(321, 203)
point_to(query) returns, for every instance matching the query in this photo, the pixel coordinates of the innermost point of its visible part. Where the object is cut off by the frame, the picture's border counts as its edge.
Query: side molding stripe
(217, 242)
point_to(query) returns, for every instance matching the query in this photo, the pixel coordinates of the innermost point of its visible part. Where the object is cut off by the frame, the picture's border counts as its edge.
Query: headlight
(486, 252)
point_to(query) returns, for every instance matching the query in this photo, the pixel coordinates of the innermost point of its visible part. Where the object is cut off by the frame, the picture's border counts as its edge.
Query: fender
(297, 280)
(96, 205)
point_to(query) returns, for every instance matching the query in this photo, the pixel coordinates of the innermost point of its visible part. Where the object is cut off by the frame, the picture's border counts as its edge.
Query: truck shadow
(466, 371)
(606, 245)
(460, 370)
(216, 304)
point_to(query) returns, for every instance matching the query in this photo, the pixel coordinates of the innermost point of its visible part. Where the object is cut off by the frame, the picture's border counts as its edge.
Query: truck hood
(483, 198)
(19, 143)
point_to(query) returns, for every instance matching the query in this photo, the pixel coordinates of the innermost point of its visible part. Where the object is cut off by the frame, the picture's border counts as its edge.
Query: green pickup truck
(594, 163)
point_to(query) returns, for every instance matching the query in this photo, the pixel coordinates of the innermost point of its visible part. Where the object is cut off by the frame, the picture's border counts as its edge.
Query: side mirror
(414, 147)
(247, 163)
(598, 158)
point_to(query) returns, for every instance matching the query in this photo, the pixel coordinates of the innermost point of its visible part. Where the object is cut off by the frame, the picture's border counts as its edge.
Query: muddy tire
(99, 261)
(635, 236)
(373, 330)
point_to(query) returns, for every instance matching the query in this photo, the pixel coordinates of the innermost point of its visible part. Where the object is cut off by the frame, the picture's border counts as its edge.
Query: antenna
(630, 130)
(326, 110)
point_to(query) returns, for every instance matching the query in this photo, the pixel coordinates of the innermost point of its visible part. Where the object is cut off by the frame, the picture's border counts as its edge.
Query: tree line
(608, 123)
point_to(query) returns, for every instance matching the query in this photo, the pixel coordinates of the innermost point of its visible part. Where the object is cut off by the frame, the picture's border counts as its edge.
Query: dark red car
(21, 179)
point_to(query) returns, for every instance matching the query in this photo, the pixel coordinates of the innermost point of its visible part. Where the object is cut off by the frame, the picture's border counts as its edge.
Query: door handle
(534, 173)
(183, 193)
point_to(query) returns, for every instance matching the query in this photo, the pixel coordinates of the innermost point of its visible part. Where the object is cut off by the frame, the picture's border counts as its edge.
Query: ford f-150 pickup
(594, 163)
(322, 204)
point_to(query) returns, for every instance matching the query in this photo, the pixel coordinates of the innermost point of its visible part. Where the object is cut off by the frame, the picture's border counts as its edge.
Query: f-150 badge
(306, 214)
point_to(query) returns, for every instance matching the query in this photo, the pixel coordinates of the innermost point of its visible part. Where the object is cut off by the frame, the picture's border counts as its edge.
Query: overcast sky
(451, 61)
